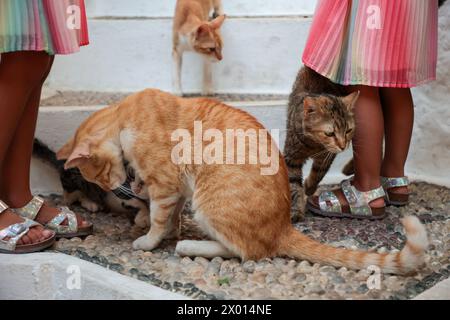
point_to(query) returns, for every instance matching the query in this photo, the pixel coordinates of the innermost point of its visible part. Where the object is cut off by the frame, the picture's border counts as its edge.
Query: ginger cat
(192, 31)
(246, 213)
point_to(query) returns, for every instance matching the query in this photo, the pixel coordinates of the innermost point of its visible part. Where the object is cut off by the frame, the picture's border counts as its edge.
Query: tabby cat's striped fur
(320, 125)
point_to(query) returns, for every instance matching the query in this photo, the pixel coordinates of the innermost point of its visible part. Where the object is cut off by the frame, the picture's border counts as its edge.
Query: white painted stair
(131, 48)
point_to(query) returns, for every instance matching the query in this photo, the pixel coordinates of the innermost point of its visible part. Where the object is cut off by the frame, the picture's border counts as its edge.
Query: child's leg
(20, 72)
(368, 140)
(15, 173)
(398, 111)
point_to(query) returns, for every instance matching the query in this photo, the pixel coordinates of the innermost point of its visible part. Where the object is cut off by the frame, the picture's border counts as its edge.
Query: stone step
(261, 55)
(165, 8)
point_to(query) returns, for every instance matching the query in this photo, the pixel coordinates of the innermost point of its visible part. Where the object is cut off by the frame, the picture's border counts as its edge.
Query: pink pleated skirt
(54, 26)
(380, 43)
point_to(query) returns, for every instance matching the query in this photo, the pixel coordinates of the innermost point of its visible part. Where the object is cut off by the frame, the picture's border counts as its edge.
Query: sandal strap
(31, 209)
(359, 200)
(72, 223)
(329, 202)
(3, 206)
(389, 183)
(14, 232)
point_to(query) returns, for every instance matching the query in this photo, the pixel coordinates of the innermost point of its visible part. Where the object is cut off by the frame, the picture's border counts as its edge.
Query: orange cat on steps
(246, 213)
(192, 31)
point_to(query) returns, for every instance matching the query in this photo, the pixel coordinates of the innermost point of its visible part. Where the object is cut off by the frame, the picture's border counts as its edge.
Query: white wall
(430, 154)
(260, 56)
(165, 8)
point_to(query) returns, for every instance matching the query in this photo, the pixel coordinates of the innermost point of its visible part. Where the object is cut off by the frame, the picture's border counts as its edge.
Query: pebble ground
(278, 278)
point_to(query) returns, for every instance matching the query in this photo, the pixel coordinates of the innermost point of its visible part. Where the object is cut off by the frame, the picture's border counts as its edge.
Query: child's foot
(396, 189)
(46, 214)
(335, 203)
(34, 235)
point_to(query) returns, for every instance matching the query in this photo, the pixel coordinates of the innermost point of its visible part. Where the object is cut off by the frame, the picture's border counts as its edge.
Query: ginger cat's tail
(410, 258)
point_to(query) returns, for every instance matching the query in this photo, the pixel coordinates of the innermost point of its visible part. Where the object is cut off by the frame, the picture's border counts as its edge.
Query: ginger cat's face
(100, 165)
(207, 40)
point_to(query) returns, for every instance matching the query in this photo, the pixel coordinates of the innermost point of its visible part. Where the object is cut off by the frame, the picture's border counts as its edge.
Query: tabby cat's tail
(410, 258)
(41, 151)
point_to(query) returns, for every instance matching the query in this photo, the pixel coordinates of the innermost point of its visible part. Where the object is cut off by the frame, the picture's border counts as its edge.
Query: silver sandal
(31, 209)
(395, 198)
(15, 232)
(358, 203)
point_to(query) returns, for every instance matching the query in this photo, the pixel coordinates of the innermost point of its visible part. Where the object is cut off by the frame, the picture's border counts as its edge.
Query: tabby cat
(194, 31)
(91, 196)
(245, 213)
(320, 124)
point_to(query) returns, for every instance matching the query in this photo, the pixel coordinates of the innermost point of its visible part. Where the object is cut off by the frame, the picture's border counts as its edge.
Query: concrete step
(261, 55)
(165, 8)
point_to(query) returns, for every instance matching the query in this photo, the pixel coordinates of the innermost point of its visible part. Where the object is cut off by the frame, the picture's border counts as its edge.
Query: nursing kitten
(246, 213)
(193, 31)
(320, 124)
(89, 195)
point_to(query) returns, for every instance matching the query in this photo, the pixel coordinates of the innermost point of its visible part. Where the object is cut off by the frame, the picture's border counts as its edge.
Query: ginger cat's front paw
(145, 243)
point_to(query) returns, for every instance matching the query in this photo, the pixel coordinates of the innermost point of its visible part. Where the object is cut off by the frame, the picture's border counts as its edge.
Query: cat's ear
(350, 100)
(309, 106)
(79, 155)
(202, 31)
(65, 150)
(217, 22)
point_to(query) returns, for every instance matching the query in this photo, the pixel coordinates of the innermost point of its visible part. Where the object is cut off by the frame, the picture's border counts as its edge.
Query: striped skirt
(54, 26)
(380, 43)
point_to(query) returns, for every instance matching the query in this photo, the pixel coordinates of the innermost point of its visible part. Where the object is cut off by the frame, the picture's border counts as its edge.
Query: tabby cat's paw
(90, 205)
(298, 202)
(310, 188)
(142, 219)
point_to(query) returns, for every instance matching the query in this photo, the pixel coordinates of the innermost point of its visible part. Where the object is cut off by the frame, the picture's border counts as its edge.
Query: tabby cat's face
(329, 121)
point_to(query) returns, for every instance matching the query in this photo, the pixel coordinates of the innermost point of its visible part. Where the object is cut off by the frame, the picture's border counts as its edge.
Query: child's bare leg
(15, 172)
(20, 72)
(368, 140)
(398, 111)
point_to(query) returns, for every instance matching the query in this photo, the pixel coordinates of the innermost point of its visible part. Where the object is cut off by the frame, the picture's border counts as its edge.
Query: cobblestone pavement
(278, 278)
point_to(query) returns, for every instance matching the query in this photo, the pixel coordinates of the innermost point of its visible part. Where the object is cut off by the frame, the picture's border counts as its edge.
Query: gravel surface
(277, 278)
(93, 98)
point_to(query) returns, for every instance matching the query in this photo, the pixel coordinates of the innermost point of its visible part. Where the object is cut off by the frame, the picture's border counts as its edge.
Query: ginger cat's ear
(350, 100)
(217, 22)
(65, 150)
(202, 31)
(80, 154)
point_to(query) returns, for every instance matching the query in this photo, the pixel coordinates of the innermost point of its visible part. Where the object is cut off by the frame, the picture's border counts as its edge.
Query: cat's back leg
(203, 248)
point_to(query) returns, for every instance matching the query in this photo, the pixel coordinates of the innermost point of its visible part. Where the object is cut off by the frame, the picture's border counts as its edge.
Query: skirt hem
(369, 83)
